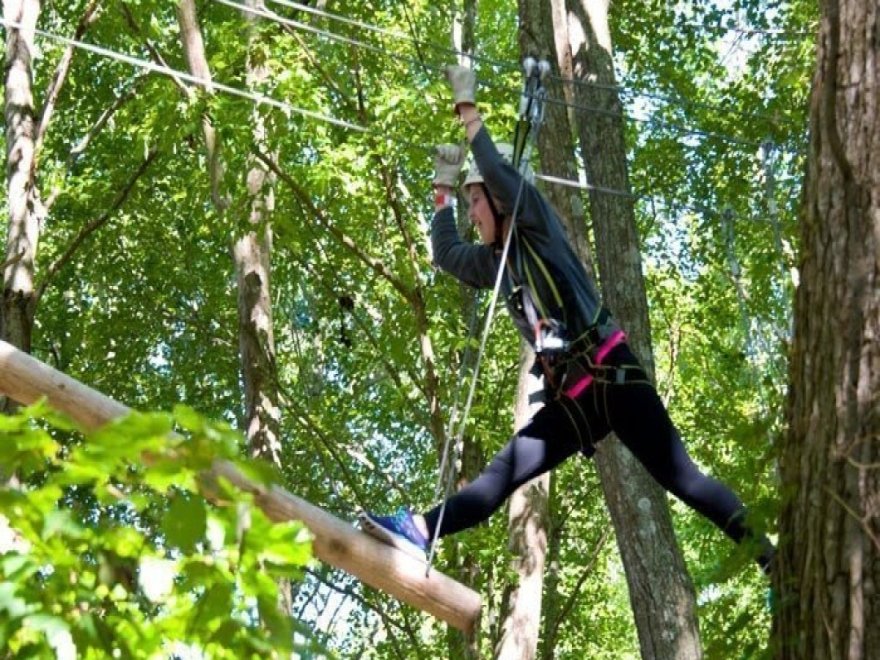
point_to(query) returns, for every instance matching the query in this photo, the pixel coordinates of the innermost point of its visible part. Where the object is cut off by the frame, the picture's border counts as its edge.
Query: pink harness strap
(616, 338)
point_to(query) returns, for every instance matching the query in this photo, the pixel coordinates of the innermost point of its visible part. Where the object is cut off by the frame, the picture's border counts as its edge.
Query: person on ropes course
(593, 383)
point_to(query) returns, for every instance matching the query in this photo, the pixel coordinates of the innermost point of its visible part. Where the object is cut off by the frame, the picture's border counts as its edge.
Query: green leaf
(61, 522)
(47, 624)
(184, 523)
(26, 450)
(125, 542)
(11, 563)
(10, 602)
(261, 472)
(188, 418)
(165, 474)
(287, 546)
(215, 604)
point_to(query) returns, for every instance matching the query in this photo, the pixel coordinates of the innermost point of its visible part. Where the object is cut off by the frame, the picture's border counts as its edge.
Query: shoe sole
(390, 538)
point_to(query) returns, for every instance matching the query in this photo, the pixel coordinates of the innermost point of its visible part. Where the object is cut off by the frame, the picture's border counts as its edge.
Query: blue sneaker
(398, 530)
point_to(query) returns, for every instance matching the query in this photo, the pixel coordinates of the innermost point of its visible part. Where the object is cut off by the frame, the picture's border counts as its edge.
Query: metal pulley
(531, 105)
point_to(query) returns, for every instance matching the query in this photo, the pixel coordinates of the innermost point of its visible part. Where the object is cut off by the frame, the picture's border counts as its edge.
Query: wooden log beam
(26, 380)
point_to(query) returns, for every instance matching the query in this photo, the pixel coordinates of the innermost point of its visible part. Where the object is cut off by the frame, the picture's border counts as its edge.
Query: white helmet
(473, 174)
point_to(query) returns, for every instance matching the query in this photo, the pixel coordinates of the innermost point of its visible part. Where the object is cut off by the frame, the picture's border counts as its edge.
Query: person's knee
(688, 483)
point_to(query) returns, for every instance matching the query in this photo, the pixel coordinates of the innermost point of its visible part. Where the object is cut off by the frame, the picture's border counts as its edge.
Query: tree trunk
(470, 451)
(528, 523)
(252, 255)
(24, 216)
(660, 590)
(828, 567)
(252, 250)
(530, 511)
(197, 61)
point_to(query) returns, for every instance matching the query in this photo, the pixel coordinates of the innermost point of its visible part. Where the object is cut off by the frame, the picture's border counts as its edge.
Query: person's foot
(399, 530)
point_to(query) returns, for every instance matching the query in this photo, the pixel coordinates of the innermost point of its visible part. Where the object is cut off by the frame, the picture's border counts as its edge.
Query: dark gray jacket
(540, 259)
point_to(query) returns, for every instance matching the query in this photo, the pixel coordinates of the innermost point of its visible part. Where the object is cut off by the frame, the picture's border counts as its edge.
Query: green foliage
(145, 310)
(111, 549)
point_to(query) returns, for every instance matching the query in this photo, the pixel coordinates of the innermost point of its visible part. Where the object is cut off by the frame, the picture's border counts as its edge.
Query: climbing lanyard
(530, 118)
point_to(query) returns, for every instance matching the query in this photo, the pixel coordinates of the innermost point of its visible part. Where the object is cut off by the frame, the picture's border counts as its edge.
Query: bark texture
(527, 525)
(828, 567)
(197, 61)
(24, 217)
(252, 254)
(660, 589)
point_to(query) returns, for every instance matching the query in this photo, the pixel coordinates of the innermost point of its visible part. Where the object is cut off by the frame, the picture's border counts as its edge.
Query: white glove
(448, 159)
(463, 83)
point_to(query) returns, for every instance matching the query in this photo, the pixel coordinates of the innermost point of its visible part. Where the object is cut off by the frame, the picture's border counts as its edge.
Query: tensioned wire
(452, 436)
(187, 77)
(515, 66)
(292, 109)
(681, 130)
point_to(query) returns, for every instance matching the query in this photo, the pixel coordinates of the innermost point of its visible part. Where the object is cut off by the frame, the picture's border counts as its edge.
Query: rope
(493, 300)
(289, 22)
(416, 42)
(531, 111)
(446, 486)
(287, 107)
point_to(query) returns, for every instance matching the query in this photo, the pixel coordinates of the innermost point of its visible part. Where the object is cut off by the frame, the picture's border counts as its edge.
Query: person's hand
(463, 83)
(448, 159)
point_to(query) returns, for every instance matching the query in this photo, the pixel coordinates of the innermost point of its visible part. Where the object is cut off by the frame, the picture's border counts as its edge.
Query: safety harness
(562, 361)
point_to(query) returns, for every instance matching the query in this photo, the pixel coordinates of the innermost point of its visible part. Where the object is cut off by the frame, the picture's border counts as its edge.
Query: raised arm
(502, 179)
(472, 264)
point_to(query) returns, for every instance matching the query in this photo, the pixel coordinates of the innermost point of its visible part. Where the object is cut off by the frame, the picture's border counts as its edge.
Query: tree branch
(308, 423)
(102, 120)
(432, 380)
(90, 15)
(366, 329)
(390, 623)
(862, 522)
(572, 597)
(316, 64)
(94, 225)
(197, 61)
(375, 264)
(154, 52)
(90, 135)
(397, 211)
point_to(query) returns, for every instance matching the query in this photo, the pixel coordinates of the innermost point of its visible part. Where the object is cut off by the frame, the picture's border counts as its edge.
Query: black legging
(631, 409)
